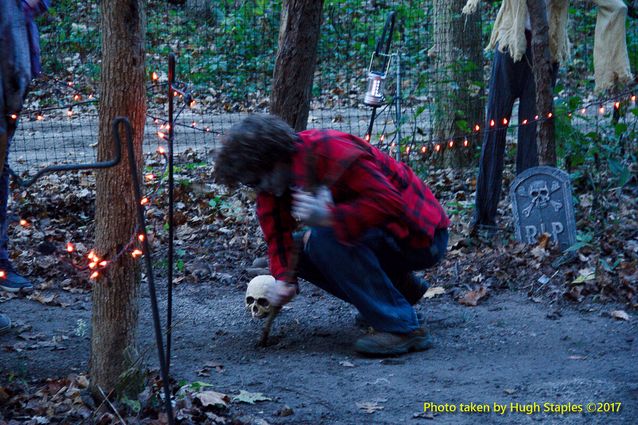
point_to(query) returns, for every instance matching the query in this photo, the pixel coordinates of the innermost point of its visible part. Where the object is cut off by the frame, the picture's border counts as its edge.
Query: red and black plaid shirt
(369, 189)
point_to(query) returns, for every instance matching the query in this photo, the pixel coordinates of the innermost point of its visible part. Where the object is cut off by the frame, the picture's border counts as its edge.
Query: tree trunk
(115, 295)
(458, 78)
(296, 60)
(543, 77)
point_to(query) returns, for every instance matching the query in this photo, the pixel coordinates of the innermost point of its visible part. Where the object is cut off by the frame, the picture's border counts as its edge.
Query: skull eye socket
(534, 193)
(263, 302)
(544, 192)
(250, 300)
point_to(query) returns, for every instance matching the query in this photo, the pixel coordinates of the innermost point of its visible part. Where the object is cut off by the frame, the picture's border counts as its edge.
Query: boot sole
(417, 344)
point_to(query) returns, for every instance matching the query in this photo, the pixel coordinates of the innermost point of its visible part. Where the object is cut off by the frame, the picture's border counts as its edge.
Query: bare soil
(508, 349)
(536, 338)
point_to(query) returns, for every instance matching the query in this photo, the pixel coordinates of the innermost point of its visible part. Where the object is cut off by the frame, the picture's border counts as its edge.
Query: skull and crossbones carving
(540, 193)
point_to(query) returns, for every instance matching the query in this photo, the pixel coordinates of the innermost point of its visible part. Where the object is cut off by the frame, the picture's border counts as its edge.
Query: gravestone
(542, 203)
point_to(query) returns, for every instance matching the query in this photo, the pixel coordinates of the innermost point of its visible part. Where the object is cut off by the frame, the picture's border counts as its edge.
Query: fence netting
(226, 57)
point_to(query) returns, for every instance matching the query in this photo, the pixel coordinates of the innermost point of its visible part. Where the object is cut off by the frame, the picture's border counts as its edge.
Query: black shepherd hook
(388, 31)
(117, 155)
(147, 257)
(382, 49)
(171, 201)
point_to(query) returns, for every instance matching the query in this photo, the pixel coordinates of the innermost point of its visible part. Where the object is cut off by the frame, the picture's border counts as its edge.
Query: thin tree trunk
(296, 60)
(116, 295)
(458, 58)
(543, 78)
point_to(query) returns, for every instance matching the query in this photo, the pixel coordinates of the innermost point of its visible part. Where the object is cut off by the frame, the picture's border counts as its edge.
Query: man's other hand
(313, 210)
(281, 293)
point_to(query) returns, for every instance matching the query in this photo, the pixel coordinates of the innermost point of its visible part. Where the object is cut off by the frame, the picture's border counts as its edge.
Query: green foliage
(598, 158)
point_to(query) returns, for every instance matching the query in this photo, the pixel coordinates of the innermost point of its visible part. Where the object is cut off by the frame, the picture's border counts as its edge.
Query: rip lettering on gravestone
(542, 203)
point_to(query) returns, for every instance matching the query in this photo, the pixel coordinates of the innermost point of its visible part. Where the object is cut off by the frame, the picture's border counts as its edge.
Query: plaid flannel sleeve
(277, 224)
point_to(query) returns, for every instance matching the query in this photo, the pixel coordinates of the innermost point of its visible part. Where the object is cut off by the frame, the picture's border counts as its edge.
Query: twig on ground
(111, 405)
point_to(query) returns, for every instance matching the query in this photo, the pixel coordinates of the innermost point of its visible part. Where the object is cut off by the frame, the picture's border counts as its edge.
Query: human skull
(539, 192)
(256, 301)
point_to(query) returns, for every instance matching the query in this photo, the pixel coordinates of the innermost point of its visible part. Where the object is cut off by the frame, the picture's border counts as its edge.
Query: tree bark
(116, 294)
(296, 61)
(458, 60)
(543, 77)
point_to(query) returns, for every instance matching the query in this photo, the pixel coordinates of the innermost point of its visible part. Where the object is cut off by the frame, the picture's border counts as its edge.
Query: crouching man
(367, 222)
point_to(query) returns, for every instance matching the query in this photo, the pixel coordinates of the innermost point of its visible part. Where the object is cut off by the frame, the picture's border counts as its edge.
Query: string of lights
(91, 262)
(96, 265)
(602, 107)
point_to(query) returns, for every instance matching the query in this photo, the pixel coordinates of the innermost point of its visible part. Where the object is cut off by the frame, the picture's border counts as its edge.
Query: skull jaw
(258, 312)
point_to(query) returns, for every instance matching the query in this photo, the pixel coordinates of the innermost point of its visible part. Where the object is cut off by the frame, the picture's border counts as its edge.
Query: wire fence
(226, 58)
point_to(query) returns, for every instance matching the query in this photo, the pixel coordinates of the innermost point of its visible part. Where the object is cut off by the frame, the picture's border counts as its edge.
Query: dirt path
(507, 350)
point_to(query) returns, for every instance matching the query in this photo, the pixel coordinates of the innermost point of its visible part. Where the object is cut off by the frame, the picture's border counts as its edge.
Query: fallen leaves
(250, 398)
(585, 275)
(619, 315)
(433, 292)
(56, 401)
(47, 299)
(472, 298)
(369, 406)
(208, 367)
(212, 399)
(539, 253)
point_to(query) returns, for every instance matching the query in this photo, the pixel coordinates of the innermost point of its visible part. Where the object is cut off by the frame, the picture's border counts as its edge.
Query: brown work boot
(411, 287)
(361, 322)
(389, 344)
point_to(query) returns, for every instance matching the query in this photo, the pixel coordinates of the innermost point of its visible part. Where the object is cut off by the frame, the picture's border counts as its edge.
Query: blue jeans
(4, 195)
(362, 274)
(509, 81)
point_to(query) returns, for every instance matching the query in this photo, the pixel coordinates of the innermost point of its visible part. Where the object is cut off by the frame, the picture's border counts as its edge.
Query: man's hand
(313, 210)
(281, 293)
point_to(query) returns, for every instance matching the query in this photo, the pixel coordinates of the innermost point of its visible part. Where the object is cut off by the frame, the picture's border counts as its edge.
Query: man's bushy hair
(251, 149)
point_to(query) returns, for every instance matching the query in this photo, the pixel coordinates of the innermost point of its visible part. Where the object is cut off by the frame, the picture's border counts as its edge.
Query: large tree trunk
(296, 60)
(543, 78)
(115, 295)
(458, 77)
